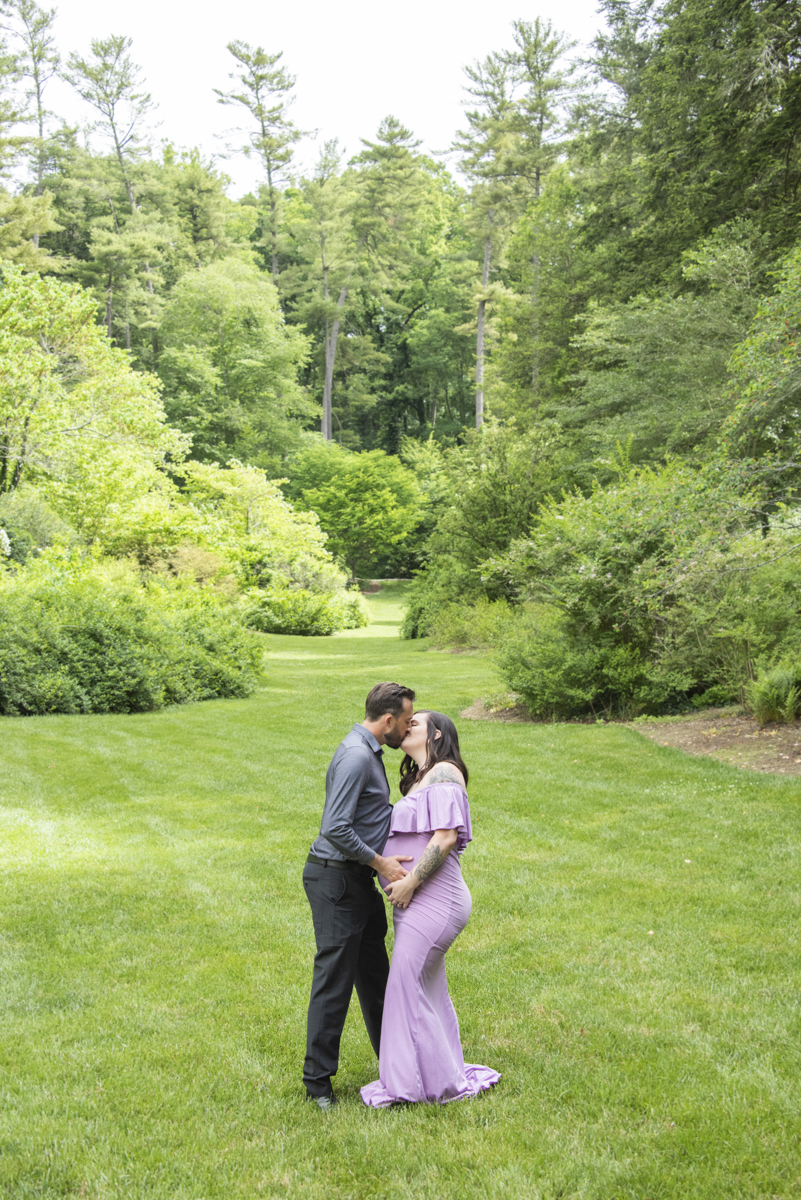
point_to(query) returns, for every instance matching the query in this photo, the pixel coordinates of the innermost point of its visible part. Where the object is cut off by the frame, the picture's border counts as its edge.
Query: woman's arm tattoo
(429, 861)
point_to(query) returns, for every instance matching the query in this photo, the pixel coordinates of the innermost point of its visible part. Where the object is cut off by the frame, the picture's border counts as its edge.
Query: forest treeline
(559, 384)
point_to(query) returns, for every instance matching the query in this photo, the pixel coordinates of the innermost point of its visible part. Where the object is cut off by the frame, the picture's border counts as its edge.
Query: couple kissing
(413, 849)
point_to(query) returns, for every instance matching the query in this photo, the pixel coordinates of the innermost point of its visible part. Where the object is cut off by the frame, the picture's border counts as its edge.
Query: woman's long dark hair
(445, 748)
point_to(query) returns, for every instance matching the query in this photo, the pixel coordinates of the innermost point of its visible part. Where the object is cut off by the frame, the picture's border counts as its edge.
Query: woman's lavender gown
(421, 1054)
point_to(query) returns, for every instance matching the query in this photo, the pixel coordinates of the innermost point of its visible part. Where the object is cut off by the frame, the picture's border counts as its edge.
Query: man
(350, 922)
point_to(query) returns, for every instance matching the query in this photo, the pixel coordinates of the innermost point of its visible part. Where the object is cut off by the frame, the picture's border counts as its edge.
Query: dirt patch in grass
(483, 711)
(725, 734)
(732, 738)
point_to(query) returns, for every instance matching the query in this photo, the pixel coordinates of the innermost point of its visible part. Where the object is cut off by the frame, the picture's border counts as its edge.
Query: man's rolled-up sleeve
(350, 776)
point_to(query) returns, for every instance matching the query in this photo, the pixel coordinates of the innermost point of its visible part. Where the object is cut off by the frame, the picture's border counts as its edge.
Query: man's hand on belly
(391, 867)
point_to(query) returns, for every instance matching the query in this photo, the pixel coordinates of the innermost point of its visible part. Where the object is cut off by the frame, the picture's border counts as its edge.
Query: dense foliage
(644, 593)
(83, 638)
(368, 503)
(230, 365)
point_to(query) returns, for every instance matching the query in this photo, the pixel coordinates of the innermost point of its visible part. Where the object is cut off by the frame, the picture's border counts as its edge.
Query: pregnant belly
(413, 844)
(440, 907)
(406, 843)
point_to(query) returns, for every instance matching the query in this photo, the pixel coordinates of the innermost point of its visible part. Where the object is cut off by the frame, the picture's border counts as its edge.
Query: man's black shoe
(325, 1103)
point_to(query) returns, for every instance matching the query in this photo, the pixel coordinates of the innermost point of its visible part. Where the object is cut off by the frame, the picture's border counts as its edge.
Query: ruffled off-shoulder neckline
(421, 812)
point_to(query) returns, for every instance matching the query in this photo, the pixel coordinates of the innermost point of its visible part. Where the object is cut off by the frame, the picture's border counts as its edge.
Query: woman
(421, 1055)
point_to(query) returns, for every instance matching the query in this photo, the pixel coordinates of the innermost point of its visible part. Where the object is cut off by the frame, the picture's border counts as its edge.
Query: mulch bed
(716, 733)
(734, 739)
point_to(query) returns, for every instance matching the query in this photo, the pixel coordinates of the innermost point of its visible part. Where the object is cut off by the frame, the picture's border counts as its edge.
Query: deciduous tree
(367, 503)
(64, 386)
(230, 366)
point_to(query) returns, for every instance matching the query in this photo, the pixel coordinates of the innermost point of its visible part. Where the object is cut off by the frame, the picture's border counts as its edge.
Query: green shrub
(442, 583)
(304, 613)
(472, 626)
(659, 592)
(561, 674)
(776, 695)
(368, 502)
(416, 622)
(739, 610)
(715, 697)
(83, 638)
(352, 609)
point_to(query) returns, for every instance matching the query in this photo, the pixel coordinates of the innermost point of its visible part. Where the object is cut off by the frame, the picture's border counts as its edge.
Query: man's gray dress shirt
(357, 810)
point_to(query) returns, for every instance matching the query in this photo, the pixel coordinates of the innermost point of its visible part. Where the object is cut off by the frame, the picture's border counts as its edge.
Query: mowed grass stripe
(156, 951)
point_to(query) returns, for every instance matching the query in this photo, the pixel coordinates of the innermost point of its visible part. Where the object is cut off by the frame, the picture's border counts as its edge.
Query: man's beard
(393, 739)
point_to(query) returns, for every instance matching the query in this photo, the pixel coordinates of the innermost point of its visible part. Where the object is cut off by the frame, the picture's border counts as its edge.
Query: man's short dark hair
(386, 698)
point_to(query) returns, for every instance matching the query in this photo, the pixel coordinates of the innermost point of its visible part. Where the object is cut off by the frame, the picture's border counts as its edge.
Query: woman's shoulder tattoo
(444, 772)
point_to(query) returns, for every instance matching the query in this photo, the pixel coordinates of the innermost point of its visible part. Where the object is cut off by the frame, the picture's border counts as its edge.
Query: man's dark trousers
(350, 927)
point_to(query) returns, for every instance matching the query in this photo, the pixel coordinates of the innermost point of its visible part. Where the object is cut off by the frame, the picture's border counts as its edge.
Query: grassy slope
(156, 952)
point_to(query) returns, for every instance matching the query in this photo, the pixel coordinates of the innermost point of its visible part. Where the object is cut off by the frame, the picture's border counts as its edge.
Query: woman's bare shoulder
(443, 772)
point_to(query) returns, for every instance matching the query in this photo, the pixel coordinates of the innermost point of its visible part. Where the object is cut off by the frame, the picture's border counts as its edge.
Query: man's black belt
(345, 864)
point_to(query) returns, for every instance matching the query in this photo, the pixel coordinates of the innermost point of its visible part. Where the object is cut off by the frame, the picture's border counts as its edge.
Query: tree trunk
(131, 194)
(482, 308)
(535, 358)
(129, 191)
(331, 337)
(482, 304)
(535, 262)
(448, 401)
(40, 117)
(274, 233)
(273, 202)
(22, 455)
(39, 154)
(325, 427)
(109, 306)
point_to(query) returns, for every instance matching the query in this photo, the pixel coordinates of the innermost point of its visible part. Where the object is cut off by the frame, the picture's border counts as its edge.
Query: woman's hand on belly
(400, 894)
(432, 858)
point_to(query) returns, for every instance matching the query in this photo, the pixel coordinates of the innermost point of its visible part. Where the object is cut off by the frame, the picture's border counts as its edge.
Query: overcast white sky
(355, 61)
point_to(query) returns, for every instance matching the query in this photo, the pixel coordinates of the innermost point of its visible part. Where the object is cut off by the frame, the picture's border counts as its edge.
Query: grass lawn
(631, 966)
